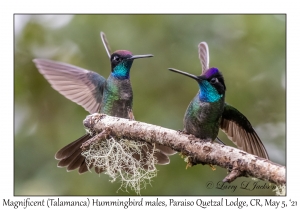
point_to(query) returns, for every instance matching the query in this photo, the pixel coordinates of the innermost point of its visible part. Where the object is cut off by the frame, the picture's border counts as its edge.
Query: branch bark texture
(198, 151)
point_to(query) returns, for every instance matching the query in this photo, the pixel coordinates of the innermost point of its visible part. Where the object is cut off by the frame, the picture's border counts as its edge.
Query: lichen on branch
(117, 158)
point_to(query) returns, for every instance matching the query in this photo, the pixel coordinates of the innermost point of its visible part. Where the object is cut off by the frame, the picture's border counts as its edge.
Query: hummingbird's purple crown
(123, 52)
(210, 72)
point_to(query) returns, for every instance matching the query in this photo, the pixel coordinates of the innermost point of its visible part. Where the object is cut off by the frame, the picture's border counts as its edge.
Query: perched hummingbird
(208, 111)
(112, 96)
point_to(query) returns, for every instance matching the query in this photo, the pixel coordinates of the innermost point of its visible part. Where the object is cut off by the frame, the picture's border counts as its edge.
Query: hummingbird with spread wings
(112, 96)
(208, 112)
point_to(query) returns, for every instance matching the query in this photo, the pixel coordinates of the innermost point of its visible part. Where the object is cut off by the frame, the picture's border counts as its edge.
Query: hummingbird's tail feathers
(83, 168)
(240, 131)
(98, 170)
(105, 43)
(70, 155)
(72, 148)
(69, 159)
(79, 85)
(203, 56)
(76, 162)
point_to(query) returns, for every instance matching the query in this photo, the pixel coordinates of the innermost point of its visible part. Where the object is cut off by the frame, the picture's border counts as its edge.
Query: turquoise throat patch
(121, 71)
(208, 93)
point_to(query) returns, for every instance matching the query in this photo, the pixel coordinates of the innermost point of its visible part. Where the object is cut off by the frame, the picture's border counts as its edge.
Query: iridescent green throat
(121, 71)
(208, 93)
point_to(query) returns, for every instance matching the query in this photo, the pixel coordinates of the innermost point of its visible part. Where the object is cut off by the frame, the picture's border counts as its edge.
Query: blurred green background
(250, 50)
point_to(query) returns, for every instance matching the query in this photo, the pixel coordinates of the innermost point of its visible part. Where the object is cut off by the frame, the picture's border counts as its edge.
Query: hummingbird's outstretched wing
(79, 85)
(240, 131)
(105, 43)
(203, 56)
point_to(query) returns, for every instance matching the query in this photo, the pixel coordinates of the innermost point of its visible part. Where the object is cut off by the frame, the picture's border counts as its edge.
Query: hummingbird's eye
(214, 80)
(116, 58)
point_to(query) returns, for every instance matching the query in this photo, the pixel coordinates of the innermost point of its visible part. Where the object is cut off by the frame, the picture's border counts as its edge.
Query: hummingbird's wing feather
(79, 85)
(240, 131)
(105, 43)
(166, 150)
(203, 56)
(161, 158)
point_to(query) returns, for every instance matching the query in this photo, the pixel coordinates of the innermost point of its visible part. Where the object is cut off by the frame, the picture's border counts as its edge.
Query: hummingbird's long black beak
(140, 56)
(184, 73)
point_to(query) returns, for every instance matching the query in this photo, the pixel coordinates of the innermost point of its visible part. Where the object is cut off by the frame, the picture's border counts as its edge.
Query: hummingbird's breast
(202, 119)
(117, 98)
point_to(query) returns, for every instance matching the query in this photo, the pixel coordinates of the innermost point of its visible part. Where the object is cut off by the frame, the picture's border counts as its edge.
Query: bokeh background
(250, 50)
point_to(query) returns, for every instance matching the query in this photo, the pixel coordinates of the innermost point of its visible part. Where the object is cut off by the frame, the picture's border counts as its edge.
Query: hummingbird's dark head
(215, 79)
(211, 83)
(121, 61)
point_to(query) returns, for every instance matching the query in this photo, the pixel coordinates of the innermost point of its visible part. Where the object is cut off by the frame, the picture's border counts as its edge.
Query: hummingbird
(208, 112)
(112, 96)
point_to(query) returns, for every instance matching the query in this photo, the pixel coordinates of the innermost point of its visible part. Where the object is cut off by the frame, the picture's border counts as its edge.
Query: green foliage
(250, 50)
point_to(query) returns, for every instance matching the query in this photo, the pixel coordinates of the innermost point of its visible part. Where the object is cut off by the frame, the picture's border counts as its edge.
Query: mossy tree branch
(198, 151)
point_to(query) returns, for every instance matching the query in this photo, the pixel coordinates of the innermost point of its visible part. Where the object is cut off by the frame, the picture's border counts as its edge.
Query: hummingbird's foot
(98, 137)
(190, 162)
(130, 114)
(212, 167)
(188, 165)
(181, 132)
